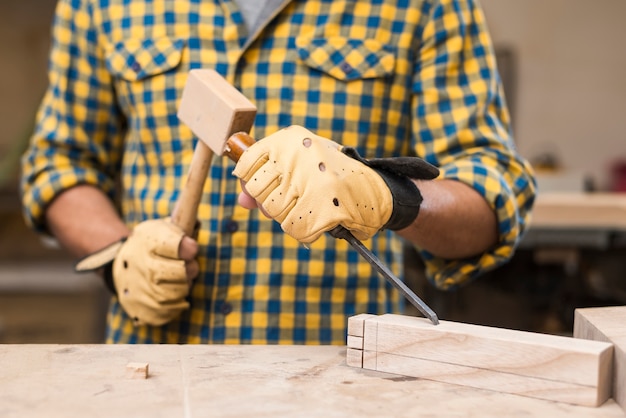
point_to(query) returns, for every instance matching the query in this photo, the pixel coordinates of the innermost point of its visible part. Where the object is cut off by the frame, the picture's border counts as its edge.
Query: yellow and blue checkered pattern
(407, 77)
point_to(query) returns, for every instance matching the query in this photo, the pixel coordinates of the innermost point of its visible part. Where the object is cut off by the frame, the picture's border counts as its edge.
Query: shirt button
(346, 68)
(232, 226)
(226, 308)
(136, 67)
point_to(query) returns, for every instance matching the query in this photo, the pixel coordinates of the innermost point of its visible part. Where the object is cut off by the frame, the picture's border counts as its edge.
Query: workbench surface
(237, 381)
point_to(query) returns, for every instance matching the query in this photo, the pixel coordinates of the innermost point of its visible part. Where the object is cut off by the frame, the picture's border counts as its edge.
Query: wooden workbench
(237, 381)
(578, 220)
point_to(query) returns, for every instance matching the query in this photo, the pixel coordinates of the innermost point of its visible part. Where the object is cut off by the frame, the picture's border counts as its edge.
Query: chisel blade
(343, 233)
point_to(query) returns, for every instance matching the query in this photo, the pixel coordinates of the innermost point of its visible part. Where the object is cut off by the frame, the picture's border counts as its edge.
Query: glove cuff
(397, 173)
(107, 276)
(101, 260)
(406, 199)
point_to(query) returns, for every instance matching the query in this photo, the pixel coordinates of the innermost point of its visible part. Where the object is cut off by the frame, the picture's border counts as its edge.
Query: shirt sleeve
(79, 128)
(461, 124)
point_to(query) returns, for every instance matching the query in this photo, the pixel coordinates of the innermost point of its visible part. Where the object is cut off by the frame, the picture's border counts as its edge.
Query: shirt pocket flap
(136, 59)
(347, 59)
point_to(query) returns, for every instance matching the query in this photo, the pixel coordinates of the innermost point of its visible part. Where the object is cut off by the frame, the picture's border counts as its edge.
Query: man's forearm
(84, 220)
(454, 221)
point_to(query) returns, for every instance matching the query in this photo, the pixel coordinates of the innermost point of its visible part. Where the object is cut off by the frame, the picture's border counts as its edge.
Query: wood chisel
(343, 233)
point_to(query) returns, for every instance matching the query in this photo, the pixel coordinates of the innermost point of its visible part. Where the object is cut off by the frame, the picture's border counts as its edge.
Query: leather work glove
(310, 184)
(145, 272)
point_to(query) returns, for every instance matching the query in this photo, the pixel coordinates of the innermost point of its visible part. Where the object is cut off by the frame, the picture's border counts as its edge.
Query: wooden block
(137, 370)
(356, 324)
(354, 353)
(370, 335)
(354, 357)
(530, 364)
(370, 359)
(607, 324)
(355, 342)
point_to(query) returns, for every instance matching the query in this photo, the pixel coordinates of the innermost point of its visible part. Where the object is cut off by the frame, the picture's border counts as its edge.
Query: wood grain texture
(239, 381)
(530, 364)
(607, 324)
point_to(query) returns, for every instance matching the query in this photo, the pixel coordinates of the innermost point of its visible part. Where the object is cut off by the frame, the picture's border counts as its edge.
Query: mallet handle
(186, 211)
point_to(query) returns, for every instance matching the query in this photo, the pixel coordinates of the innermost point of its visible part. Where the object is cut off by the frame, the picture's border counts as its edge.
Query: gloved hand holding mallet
(146, 269)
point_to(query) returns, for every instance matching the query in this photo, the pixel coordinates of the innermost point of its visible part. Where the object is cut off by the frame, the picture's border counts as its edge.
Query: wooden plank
(579, 210)
(537, 365)
(487, 379)
(607, 324)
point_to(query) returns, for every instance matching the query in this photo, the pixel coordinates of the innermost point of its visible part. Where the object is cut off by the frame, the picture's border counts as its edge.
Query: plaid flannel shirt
(411, 77)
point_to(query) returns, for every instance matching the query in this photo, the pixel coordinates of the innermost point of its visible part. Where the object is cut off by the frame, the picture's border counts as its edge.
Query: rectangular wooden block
(356, 324)
(355, 342)
(607, 324)
(135, 370)
(354, 357)
(354, 354)
(530, 364)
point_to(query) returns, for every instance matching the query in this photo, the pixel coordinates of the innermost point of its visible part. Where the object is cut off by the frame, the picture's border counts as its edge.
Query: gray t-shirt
(256, 12)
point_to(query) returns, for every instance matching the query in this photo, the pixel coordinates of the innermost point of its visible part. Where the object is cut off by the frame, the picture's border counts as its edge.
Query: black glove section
(397, 173)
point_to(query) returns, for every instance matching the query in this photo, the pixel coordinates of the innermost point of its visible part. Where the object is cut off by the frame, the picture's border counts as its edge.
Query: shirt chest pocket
(143, 73)
(356, 78)
(347, 59)
(147, 76)
(136, 59)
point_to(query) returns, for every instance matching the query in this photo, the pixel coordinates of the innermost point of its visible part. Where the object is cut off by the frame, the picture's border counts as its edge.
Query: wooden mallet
(214, 110)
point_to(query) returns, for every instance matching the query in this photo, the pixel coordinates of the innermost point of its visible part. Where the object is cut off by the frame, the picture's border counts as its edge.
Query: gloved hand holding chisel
(310, 185)
(313, 185)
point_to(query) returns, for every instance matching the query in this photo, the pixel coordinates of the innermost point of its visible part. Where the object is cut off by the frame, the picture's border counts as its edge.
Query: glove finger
(170, 293)
(305, 226)
(280, 202)
(360, 231)
(263, 182)
(163, 238)
(251, 161)
(157, 314)
(168, 270)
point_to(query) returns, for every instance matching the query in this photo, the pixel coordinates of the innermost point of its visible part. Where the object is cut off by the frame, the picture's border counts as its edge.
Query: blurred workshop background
(562, 63)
